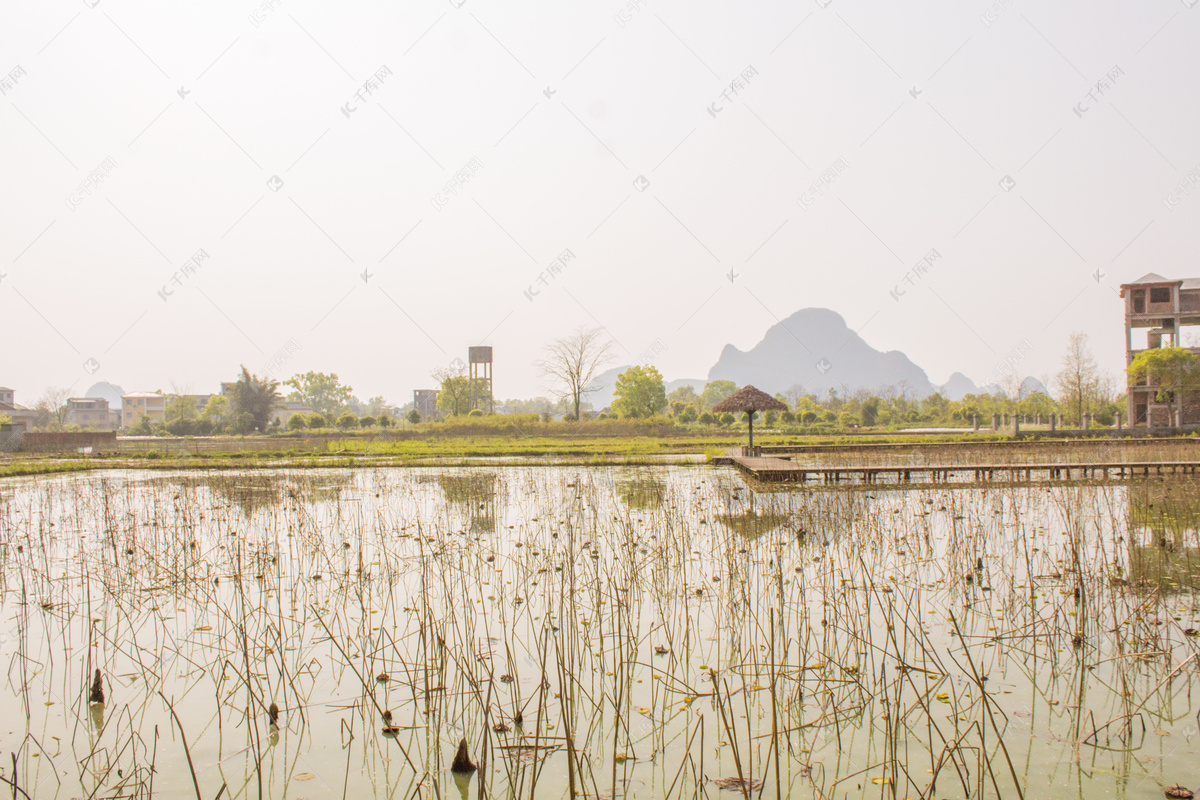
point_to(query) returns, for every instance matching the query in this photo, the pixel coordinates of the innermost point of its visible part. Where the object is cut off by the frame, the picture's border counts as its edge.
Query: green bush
(366, 422)
(475, 412)
(727, 419)
(347, 421)
(317, 420)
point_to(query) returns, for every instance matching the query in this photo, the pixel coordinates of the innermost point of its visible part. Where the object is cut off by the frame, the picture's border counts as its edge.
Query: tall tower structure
(479, 366)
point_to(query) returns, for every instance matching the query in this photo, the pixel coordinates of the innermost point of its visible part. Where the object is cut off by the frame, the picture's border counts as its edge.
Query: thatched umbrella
(749, 399)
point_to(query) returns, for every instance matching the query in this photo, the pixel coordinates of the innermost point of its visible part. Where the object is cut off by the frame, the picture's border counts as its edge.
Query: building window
(1139, 302)
(1162, 295)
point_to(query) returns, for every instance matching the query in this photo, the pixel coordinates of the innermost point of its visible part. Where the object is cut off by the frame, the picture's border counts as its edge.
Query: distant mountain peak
(814, 348)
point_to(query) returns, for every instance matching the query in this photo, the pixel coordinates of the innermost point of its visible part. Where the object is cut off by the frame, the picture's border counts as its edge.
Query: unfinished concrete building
(1157, 312)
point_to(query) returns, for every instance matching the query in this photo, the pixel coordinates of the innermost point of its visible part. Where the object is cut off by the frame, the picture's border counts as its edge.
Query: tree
(297, 422)
(716, 391)
(347, 421)
(366, 422)
(52, 406)
(1078, 380)
(1171, 370)
(455, 395)
(385, 421)
(684, 394)
(640, 392)
(413, 417)
(253, 398)
(688, 414)
(317, 420)
(321, 391)
(573, 361)
(181, 416)
(215, 413)
(376, 405)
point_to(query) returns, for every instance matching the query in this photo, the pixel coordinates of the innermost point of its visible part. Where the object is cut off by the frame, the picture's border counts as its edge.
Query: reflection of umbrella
(749, 400)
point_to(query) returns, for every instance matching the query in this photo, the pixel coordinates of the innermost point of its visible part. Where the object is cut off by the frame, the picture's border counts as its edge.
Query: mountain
(110, 392)
(1031, 385)
(958, 387)
(814, 348)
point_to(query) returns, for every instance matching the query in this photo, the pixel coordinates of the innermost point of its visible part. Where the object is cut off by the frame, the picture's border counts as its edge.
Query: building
(20, 415)
(425, 402)
(137, 406)
(479, 361)
(1157, 310)
(92, 412)
(284, 409)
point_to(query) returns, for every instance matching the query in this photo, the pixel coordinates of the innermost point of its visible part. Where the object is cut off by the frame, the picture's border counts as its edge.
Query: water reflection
(1164, 534)
(643, 491)
(473, 494)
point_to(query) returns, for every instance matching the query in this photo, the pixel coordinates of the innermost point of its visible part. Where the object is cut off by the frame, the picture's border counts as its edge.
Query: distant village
(1161, 389)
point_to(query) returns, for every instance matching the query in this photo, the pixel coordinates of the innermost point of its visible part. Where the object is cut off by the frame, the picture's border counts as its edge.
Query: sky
(369, 188)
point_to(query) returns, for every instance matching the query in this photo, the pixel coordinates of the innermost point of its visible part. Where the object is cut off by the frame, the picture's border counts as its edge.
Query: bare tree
(1078, 381)
(52, 405)
(1011, 383)
(573, 361)
(793, 393)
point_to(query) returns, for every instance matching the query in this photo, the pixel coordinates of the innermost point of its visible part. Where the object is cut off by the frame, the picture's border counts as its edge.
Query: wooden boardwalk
(780, 470)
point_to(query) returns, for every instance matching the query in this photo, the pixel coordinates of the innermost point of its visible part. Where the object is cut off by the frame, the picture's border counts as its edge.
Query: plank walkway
(780, 470)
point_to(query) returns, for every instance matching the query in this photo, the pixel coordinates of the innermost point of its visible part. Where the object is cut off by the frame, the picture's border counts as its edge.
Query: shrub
(413, 416)
(787, 418)
(707, 418)
(727, 419)
(317, 420)
(475, 412)
(366, 422)
(347, 421)
(386, 422)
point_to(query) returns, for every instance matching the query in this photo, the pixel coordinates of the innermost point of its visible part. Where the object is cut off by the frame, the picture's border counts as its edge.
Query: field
(601, 631)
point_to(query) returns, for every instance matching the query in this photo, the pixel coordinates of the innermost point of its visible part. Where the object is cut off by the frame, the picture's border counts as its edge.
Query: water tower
(479, 365)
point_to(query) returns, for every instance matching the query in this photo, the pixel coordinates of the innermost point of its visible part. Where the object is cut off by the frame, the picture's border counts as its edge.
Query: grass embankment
(501, 440)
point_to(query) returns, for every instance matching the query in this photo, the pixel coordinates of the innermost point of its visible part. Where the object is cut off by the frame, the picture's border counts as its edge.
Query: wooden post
(751, 418)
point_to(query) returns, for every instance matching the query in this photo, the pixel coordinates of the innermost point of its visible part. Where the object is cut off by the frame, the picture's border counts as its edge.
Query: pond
(649, 632)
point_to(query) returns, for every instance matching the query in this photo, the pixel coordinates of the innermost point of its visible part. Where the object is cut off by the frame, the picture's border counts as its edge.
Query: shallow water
(934, 640)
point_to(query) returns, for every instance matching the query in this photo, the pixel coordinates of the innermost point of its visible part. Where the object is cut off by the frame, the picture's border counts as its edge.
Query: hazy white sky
(379, 185)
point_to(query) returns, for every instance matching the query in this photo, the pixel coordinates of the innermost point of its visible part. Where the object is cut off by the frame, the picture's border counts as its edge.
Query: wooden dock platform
(780, 470)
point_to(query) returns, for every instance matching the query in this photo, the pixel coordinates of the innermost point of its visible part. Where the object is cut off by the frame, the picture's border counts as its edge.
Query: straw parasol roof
(749, 399)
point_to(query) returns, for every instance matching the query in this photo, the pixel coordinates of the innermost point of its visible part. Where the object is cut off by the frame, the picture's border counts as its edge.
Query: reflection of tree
(475, 494)
(750, 514)
(1164, 533)
(642, 492)
(251, 492)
